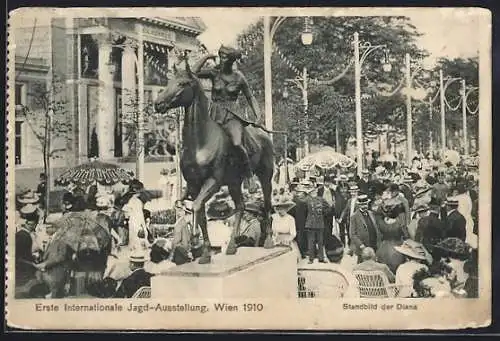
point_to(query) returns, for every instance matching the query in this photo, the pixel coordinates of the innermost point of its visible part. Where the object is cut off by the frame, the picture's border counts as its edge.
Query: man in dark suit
(455, 221)
(25, 270)
(363, 228)
(406, 189)
(369, 263)
(55, 266)
(299, 213)
(364, 182)
(137, 279)
(430, 229)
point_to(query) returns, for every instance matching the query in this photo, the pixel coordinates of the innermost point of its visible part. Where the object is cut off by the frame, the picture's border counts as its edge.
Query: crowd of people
(418, 228)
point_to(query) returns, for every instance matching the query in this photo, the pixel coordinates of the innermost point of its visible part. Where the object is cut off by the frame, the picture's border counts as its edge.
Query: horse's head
(180, 90)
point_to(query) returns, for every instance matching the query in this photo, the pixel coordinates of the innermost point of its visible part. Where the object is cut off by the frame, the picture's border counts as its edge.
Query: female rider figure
(227, 84)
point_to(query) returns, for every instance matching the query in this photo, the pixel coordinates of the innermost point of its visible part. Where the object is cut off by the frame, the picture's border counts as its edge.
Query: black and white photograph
(289, 155)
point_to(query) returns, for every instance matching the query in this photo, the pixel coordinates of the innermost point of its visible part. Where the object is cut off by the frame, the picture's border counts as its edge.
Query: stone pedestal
(251, 273)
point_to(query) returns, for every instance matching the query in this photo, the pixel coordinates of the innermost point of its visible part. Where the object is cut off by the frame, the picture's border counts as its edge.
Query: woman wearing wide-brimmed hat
(283, 224)
(417, 258)
(392, 229)
(251, 225)
(219, 225)
(455, 253)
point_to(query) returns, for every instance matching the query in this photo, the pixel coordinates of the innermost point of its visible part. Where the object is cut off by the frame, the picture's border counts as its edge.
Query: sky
(443, 35)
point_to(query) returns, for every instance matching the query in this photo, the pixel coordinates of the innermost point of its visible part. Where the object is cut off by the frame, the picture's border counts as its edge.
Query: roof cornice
(173, 24)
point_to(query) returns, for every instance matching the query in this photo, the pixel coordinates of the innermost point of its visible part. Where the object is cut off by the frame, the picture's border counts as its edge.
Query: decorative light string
(472, 112)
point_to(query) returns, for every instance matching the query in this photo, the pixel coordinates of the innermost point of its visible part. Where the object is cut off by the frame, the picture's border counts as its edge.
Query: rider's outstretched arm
(197, 68)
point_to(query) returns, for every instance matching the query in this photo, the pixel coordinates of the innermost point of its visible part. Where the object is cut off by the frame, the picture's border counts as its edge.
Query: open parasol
(326, 158)
(87, 173)
(73, 226)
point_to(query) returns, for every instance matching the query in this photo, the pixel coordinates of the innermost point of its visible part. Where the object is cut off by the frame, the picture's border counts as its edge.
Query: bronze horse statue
(209, 159)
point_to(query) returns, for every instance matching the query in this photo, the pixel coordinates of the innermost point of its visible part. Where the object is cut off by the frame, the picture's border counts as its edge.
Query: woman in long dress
(283, 225)
(465, 208)
(391, 226)
(133, 210)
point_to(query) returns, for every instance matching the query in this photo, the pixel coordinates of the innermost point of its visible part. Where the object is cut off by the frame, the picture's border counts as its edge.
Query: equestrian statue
(220, 146)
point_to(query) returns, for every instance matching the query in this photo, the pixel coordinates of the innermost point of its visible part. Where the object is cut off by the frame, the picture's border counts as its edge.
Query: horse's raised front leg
(237, 196)
(209, 188)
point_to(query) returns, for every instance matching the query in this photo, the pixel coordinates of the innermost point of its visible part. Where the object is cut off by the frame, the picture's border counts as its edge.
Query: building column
(72, 83)
(129, 101)
(106, 114)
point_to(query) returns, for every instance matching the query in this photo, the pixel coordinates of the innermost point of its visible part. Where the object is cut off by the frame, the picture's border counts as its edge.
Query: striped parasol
(87, 173)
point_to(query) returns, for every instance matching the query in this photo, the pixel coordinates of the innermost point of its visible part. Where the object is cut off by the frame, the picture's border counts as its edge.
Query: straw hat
(283, 202)
(28, 209)
(408, 179)
(412, 249)
(363, 199)
(353, 188)
(137, 256)
(29, 197)
(305, 187)
(451, 201)
(254, 207)
(342, 177)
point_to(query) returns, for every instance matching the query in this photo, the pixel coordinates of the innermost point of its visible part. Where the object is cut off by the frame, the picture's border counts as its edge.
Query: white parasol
(326, 158)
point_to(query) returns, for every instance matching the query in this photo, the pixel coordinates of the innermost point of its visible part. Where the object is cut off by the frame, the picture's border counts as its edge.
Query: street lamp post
(464, 117)
(409, 132)
(302, 82)
(465, 95)
(269, 32)
(442, 93)
(357, 95)
(358, 62)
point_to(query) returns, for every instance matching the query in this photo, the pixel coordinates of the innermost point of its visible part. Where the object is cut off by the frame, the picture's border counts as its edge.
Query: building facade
(86, 68)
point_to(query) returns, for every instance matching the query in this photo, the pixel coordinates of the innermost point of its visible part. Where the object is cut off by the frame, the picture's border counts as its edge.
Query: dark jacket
(455, 225)
(137, 279)
(340, 203)
(299, 212)
(24, 243)
(408, 193)
(346, 213)
(430, 230)
(317, 210)
(359, 231)
(364, 186)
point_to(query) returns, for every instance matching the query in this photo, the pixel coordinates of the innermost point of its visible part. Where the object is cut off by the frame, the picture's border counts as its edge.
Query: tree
(50, 122)
(329, 55)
